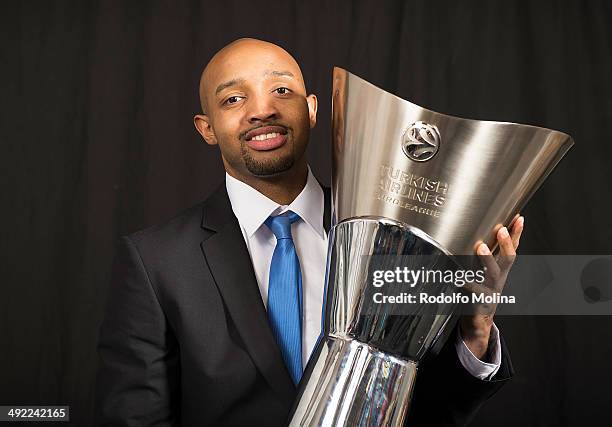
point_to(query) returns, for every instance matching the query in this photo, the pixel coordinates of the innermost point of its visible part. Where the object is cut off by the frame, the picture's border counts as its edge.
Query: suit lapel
(227, 257)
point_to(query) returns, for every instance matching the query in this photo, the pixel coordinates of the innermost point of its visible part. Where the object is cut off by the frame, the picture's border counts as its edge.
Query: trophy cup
(405, 180)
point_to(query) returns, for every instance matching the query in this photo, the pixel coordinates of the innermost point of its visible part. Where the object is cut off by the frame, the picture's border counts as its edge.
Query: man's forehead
(251, 49)
(260, 61)
(245, 67)
(247, 59)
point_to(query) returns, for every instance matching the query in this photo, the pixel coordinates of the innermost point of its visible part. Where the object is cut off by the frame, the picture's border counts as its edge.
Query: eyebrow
(227, 84)
(234, 82)
(280, 73)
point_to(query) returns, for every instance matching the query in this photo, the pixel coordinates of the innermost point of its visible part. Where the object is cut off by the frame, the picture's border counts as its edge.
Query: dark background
(97, 141)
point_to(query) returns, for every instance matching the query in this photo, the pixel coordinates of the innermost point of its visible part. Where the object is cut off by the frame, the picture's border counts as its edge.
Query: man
(196, 330)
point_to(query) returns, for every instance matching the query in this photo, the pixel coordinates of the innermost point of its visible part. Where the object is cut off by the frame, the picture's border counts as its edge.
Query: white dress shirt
(310, 239)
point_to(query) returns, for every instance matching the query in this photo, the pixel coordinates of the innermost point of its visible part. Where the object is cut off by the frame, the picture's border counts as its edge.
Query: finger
(505, 242)
(506, 249)
(488, 261)
(517, 230)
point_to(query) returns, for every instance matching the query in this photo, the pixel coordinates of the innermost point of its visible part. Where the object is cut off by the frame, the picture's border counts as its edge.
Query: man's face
(256, 109)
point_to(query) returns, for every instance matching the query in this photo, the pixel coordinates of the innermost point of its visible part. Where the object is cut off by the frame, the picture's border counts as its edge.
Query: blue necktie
(285, 294)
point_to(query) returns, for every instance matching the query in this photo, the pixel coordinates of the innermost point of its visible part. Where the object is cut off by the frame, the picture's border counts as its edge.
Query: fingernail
(503, 233)
(521, 221)
(483, 249)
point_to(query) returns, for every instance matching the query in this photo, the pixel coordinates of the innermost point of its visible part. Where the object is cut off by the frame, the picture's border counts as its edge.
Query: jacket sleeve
(446, 394)
(137, 378)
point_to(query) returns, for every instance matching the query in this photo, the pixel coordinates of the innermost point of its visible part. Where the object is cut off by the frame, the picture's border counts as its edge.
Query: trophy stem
(356, 385)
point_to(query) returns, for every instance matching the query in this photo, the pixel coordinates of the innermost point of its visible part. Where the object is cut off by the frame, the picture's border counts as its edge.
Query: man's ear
(312, 109)
(202, 124)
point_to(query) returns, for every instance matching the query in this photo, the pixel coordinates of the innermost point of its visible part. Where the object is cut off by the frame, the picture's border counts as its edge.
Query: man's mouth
(266, 138)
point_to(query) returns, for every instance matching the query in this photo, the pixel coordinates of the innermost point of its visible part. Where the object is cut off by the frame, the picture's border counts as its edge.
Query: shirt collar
(252, 208)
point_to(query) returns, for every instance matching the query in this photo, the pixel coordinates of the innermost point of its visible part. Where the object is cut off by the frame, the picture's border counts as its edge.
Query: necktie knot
(280, 225)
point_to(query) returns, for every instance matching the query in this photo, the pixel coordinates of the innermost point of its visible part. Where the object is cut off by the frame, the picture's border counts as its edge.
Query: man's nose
(261, 110)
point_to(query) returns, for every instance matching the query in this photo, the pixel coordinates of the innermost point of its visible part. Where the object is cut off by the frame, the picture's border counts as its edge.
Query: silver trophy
(405, 180)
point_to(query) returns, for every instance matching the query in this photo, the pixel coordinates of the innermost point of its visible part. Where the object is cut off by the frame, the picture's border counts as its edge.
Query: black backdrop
(97, 141)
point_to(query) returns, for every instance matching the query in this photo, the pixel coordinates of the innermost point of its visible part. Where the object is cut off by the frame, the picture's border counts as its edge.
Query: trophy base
(357, 385)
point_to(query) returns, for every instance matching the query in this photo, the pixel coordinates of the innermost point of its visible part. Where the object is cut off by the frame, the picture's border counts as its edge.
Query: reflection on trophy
(406, 181)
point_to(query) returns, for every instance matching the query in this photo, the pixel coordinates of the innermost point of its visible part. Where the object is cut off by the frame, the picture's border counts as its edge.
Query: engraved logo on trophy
(421, 141)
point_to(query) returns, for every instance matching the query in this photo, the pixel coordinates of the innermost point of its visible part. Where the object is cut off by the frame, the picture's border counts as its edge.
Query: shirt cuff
(476, 367)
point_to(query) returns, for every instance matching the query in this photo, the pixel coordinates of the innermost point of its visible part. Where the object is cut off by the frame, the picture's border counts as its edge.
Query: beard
(268, 167)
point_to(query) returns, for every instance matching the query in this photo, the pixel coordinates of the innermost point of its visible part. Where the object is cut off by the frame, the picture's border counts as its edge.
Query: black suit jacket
(185, 338)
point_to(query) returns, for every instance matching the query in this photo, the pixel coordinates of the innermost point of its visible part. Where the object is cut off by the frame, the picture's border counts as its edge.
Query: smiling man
(256, 108)
(212, 316)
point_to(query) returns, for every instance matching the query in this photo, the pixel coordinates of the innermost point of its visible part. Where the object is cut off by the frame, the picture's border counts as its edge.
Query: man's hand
(476, 329)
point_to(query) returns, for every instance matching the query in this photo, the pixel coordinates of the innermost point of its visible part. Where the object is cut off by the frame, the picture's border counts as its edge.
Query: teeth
(266, 136)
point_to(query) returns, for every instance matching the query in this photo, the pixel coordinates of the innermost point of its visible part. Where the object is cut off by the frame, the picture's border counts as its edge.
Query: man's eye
(282, 90)
(233, 99)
